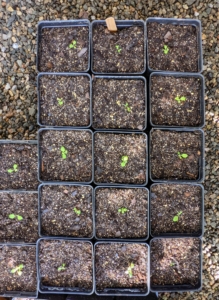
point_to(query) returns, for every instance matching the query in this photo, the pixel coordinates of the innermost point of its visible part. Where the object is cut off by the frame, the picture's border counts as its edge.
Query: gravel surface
(18, 20)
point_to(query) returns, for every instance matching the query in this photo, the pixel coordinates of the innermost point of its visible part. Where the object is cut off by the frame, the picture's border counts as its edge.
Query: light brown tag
(111, 24)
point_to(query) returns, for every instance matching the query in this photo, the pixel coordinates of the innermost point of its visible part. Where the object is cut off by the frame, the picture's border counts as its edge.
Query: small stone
(7, 86)
(32, 111)
(167, 36)
(9, 8)
(19, 13)
(15, 45)
(190, 2)
(118, 234)
(216, 49)
(19, 62)
(6, 36)
(65, 191)
(196, 14)
(185, 6)
(82, 52)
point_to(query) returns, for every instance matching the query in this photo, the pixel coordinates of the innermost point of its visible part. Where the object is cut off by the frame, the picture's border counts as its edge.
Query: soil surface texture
(120, 265)
(64, 49)
(75, 260)
(13, 207)
(166, 109)
(175, 262)
(109, 151)
(73, 162)
(66, 210)
(11, 258)
(118, 52)
(121, 213)
(18, 167)
(181, 43)
(65, 100)
(176, 208)
(165, 155)
(118, 104)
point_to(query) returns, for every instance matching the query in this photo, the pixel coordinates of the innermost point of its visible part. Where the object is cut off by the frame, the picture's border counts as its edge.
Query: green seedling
(73, 45)
(15, 169)
(18, 269)
(118, 48)
(77, 211)
(64, 152)
(176, 218)
(179, 99)
(13, 216)
(122, 210)
(124, 160)
(172, 264)
(182, 155)
(166, 49)
(129, 270)
(61, 268)
(60, 101)
(127, 107)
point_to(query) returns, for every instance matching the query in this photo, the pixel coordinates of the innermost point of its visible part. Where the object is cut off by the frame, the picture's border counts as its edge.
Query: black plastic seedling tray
(178, 288)
(132, 292)
(58, 24)
(115, 183)
(20, 242)
(201, 162)
(122, 239)
(183, 22)
(39, 98)
(126, 78)
(39, 211)
(62, 290)
(40, 161)
(18, 294)
(120, 25)
(175, 235)
(201, 97)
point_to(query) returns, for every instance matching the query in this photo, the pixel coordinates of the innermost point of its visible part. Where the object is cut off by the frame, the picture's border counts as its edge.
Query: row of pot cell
(109, 158)
(78, 46)
(118, 213)
(115, 103)
(108, 268)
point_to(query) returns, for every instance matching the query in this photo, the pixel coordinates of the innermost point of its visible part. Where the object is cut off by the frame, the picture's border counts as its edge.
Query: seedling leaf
(179, 99)
(124, 160)
(176, 218)
(61, 268)
(129, 270)
(60, 101)
(77, 211)
(122, 210)
(182, 155)
(19, 218)
(118, 48)
(165, 49)
(73, 45)
(64, 152)
(11, 216)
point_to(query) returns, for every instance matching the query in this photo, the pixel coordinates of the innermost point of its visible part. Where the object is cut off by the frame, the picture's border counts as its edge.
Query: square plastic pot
(58, 24)
(180, 287)
(120, 25)
(173, 21)
(40, 161)
(19, 294)
(61, 290)
(145, 93)
(39, 211)
(132, 292)
(201, 160)
(201, 97)
(121, 184)
(177, 235)
(121, 240)
(39, 98)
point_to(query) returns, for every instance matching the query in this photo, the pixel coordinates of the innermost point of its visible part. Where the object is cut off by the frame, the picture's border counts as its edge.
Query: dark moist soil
(77, 257)
(24, 205)
(165, 163)
(25, 156)
(55, 54)
(12, 257)
(57, 211)
(167, 200)
(165, 110)
(182, 43)
(75, 94)
(113, 224)
(78, 164)
(109, 100)
(109, 149)
(112, 262)
(107, 59)
(175, 261)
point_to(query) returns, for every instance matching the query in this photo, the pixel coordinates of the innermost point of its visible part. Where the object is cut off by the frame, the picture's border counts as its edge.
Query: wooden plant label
(111, 24)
